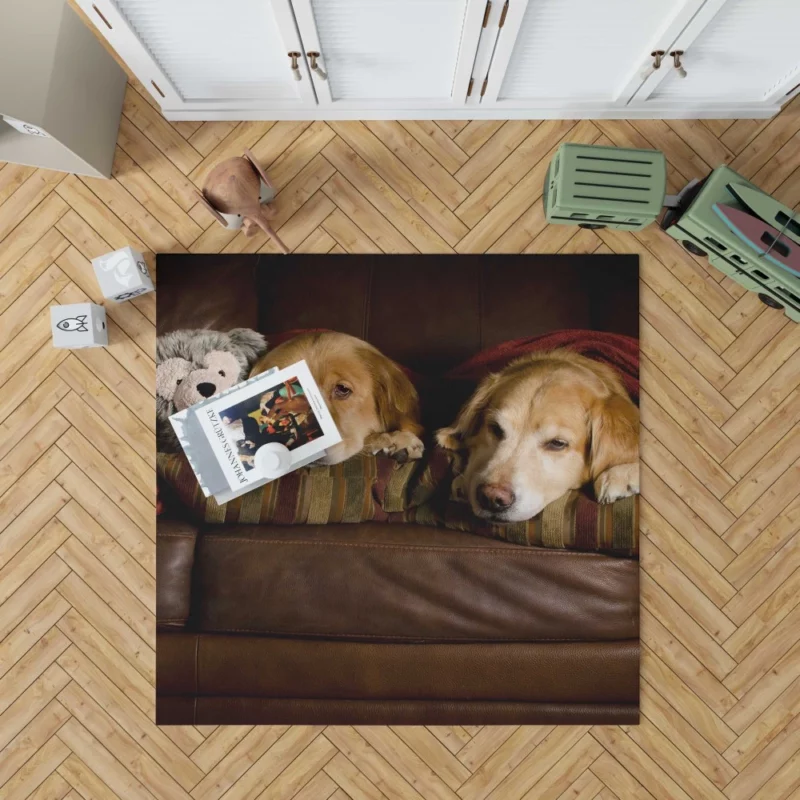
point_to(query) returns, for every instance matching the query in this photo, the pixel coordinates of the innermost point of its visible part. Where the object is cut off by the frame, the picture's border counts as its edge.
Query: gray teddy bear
(192, 365)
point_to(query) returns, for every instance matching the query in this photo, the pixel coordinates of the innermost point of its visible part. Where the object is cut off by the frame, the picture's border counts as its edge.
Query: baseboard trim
(705, 111)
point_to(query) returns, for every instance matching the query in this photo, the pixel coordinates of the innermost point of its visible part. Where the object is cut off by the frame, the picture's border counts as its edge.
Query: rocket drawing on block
(78, 325)
(74, 324)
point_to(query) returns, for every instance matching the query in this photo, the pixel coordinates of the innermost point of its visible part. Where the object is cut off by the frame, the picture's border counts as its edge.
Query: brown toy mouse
(236, 192)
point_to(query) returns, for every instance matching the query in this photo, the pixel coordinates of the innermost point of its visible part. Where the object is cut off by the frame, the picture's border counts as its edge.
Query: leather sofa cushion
(255, 666)
(406, 583)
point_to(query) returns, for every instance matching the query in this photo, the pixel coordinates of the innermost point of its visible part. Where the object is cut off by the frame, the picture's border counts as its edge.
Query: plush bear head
(192, 365)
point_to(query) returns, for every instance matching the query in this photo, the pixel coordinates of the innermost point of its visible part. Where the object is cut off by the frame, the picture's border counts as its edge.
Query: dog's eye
(340, 390)
(222, 373)
(556, 444)
(180, 381)
(497, 431)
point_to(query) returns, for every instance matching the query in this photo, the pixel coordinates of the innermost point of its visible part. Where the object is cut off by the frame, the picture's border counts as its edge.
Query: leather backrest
(428, 312)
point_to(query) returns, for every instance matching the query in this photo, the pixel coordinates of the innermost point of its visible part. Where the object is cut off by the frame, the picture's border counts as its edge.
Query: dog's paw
(616, 483)
(402, 446)
(449, 438)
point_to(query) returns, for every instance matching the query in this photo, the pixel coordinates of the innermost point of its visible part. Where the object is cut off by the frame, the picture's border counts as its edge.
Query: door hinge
(503, 15)
(483, 88)
(487, 12)
(469, 88)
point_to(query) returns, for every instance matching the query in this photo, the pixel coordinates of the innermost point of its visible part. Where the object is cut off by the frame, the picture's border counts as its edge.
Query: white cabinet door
(208, 55)
(735, 51)
(391, 53)
(579, 53)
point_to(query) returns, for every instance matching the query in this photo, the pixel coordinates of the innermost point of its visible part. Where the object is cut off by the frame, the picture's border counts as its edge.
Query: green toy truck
(611, 187)
(605, 187)
(701, 231)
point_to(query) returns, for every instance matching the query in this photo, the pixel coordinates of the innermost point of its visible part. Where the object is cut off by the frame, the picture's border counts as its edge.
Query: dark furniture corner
(394, 624)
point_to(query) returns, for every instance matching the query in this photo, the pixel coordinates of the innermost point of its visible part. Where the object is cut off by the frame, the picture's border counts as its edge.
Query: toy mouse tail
(270, 231)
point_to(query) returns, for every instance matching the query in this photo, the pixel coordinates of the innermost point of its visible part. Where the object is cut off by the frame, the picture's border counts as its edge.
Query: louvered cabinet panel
(207, 52)
(583, 50)
(231, 49)
(436, 59)
(748, 52)
(380, 53)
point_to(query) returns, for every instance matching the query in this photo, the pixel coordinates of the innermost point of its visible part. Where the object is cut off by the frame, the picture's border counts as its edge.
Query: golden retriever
(547, 423)
(373, 403)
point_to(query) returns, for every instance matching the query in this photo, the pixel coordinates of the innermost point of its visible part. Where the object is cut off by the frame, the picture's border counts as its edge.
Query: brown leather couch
(394, 624)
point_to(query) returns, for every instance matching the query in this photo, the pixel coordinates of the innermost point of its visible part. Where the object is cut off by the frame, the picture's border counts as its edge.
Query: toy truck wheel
(592, 226)
(769, 301)
(693, 248)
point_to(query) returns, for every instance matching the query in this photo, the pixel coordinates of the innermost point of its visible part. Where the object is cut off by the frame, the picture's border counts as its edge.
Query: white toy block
(79, 325)
(122, 274)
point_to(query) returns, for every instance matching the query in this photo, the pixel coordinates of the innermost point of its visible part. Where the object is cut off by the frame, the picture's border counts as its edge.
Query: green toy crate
(698, 228)
(598, 187)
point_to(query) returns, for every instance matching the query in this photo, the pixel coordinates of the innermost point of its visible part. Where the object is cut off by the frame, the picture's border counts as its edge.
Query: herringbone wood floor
(721, 464)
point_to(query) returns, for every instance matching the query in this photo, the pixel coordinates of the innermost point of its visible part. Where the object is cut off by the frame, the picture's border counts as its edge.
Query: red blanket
(620, 352)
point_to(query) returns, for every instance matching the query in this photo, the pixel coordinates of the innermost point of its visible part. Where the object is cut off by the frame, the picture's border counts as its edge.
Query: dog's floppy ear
(614, 434)
(453, 437)
(396, 398)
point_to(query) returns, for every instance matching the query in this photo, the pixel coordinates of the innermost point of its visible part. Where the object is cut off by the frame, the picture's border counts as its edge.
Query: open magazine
(256, 431)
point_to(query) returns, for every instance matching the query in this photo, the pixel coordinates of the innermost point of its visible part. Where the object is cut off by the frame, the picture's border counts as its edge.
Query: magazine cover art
(284, 407)
(282, 414)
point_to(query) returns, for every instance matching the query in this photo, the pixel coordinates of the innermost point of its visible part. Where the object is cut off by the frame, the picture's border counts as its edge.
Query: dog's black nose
(206, 389)
(495, 497)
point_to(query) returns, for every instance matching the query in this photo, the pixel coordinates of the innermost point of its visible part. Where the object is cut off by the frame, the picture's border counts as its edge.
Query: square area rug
(469, 555)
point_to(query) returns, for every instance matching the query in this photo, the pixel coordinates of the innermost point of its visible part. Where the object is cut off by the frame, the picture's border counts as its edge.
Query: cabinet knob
(295, 66)
(313, 56)
(658, 56)
(676, 60)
